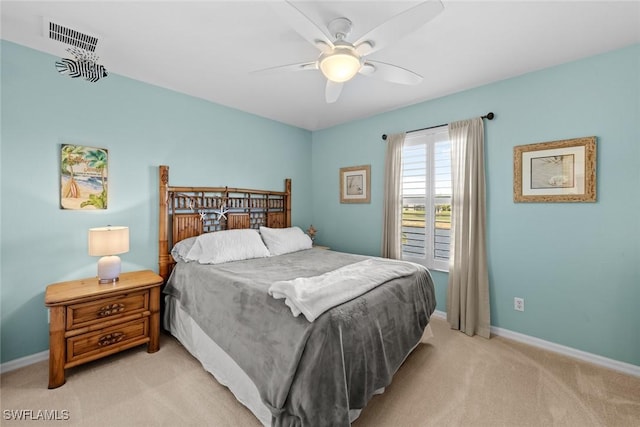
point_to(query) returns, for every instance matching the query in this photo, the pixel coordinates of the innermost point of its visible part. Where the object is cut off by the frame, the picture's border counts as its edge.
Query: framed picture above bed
(355, 184)
(556, 171)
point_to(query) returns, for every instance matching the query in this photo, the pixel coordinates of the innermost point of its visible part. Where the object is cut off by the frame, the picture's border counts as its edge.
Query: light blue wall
(142, 126)
(576, 265)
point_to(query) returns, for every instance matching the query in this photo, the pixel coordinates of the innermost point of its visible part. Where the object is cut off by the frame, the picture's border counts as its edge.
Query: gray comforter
(308, 374)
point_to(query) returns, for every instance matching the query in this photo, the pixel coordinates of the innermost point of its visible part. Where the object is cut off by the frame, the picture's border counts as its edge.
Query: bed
(294, 358)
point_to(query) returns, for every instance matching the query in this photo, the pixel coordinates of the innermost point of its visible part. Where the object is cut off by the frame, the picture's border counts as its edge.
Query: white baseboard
(440, 314)
(616, 365)
(12, 365)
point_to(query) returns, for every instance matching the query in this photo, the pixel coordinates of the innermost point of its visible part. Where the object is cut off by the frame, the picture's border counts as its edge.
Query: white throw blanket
(312, 296)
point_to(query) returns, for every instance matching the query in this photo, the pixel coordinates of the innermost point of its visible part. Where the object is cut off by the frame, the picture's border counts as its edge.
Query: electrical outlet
(518, 304)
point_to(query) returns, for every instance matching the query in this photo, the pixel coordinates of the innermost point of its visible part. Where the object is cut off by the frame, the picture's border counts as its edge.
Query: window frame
(428, 138)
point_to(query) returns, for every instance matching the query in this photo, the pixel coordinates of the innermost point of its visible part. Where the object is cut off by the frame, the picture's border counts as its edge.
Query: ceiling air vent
(83, 48)
(70, 36)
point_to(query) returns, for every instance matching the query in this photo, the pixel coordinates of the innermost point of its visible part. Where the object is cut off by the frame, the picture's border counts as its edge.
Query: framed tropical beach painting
(83, 177)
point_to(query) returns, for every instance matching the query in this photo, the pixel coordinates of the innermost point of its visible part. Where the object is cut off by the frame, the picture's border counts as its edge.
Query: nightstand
(90, 320)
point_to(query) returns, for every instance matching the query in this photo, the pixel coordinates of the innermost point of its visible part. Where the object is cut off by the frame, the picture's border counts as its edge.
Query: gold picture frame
(355, 184)
(556, 171)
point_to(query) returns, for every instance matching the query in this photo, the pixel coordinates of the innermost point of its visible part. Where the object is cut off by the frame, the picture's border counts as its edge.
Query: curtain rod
(489, 116)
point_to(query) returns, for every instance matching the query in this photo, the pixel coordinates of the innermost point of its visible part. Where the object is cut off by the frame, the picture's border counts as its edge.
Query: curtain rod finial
(384, 136)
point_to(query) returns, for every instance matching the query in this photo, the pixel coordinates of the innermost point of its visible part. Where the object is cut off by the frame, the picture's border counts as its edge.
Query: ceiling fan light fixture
(340, 65)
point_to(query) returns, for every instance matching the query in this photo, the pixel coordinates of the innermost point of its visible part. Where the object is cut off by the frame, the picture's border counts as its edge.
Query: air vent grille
(72, 37)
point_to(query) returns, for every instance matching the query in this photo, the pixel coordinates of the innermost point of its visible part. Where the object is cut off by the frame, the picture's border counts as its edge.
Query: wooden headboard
(190, 211)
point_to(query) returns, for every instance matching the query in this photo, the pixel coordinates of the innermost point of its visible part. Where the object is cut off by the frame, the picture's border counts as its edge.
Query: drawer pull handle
(111, 338)
(110, 309)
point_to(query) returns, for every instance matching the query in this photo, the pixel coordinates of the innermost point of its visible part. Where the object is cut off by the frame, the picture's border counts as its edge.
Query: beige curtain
(468, 290)
(392, 202)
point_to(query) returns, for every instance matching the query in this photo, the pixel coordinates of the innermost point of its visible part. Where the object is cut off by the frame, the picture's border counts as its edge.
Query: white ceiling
(208, 49)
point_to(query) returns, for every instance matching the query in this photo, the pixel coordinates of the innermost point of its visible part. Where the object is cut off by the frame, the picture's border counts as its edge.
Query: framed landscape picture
(556, 171)
(355, 183)
(83, 177)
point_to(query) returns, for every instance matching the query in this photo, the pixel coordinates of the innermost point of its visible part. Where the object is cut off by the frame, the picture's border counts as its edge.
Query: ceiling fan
(340, 60)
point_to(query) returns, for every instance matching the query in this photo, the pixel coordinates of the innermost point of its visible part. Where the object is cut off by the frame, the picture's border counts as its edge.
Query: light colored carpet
(453, 381)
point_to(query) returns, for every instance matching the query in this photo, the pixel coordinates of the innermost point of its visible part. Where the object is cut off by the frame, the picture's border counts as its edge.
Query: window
(426, 198)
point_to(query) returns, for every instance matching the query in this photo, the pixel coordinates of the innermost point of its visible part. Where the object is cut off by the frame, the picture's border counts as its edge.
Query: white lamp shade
(340, 65)
(108, 241)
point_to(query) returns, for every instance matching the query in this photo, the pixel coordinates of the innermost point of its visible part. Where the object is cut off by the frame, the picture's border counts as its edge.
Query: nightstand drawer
(108, 340)
(79, 315)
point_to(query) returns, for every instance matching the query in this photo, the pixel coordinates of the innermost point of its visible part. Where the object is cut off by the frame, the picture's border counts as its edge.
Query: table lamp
(108, 242)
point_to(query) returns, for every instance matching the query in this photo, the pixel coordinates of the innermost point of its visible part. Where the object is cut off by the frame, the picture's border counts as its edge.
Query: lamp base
(109, 269)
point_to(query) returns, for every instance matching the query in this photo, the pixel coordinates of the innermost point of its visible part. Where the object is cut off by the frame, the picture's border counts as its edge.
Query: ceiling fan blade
(303, 66)
(390, 73)
(302, 25)
(332, 91)
(397, 27)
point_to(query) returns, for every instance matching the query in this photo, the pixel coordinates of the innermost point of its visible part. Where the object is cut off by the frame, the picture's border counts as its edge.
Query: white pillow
(180, 250)
(224, 246)
(284, 240)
